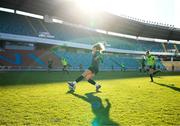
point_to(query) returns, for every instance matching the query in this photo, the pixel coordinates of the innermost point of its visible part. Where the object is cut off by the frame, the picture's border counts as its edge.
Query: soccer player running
(93, 69)
(151, 65)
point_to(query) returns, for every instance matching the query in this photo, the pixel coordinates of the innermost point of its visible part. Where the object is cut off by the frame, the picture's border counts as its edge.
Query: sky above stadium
(162, 11)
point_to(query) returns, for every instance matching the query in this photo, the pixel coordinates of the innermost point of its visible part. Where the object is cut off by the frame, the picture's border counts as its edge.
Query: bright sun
(150, 10)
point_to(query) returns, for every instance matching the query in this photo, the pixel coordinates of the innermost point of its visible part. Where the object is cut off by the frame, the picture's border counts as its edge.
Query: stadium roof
(68, 11)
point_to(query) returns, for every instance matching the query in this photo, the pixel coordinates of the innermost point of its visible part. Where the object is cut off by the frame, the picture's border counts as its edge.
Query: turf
(126, 99)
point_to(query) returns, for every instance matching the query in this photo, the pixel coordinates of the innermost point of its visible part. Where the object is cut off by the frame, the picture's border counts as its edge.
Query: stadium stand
(38, 58)
(124, 43)
(110, 61)
(36, 25)
(169, 46)
(75, 59)
(15, 24)
(22, 25)
(178, 46)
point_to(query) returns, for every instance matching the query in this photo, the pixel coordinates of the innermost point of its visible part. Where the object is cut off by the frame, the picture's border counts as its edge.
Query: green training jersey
(96, 59)
(150, 60)
(64, 62)
(122, 65)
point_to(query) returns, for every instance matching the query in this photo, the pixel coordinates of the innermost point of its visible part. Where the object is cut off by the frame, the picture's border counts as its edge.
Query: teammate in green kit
(93, 69)
(151, 65)
(65, 64)
(122, 67)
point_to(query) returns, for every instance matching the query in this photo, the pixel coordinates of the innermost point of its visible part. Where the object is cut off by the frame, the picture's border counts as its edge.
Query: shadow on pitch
(100, 111)
(168, 86)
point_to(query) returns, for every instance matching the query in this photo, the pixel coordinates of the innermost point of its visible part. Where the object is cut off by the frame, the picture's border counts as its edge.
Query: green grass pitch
(126, 99)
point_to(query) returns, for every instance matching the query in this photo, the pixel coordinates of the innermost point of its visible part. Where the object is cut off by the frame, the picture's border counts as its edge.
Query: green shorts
(93, 69)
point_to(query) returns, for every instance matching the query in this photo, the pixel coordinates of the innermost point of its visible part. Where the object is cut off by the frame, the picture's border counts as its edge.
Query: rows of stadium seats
(124, 43)
(69, 33)
(39, 58)
(36, 25)
(169, 46)
(27, 58)
(109, 60)
(16, 24)
(75, 59)
(178, 46)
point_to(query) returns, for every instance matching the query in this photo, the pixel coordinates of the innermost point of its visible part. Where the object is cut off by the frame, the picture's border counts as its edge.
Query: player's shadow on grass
(171, 87)
(100, 111)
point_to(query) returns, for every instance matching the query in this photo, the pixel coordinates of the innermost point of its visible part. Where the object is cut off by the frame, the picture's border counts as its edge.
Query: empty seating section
(75, 59)
(15, 58)
(16, 24)
(169, 46)
(28, 58)
(67, 33)
(39, 58)
(109, 60)
(123, 43)
(147, 45)
(35, 23)
(178, 46)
